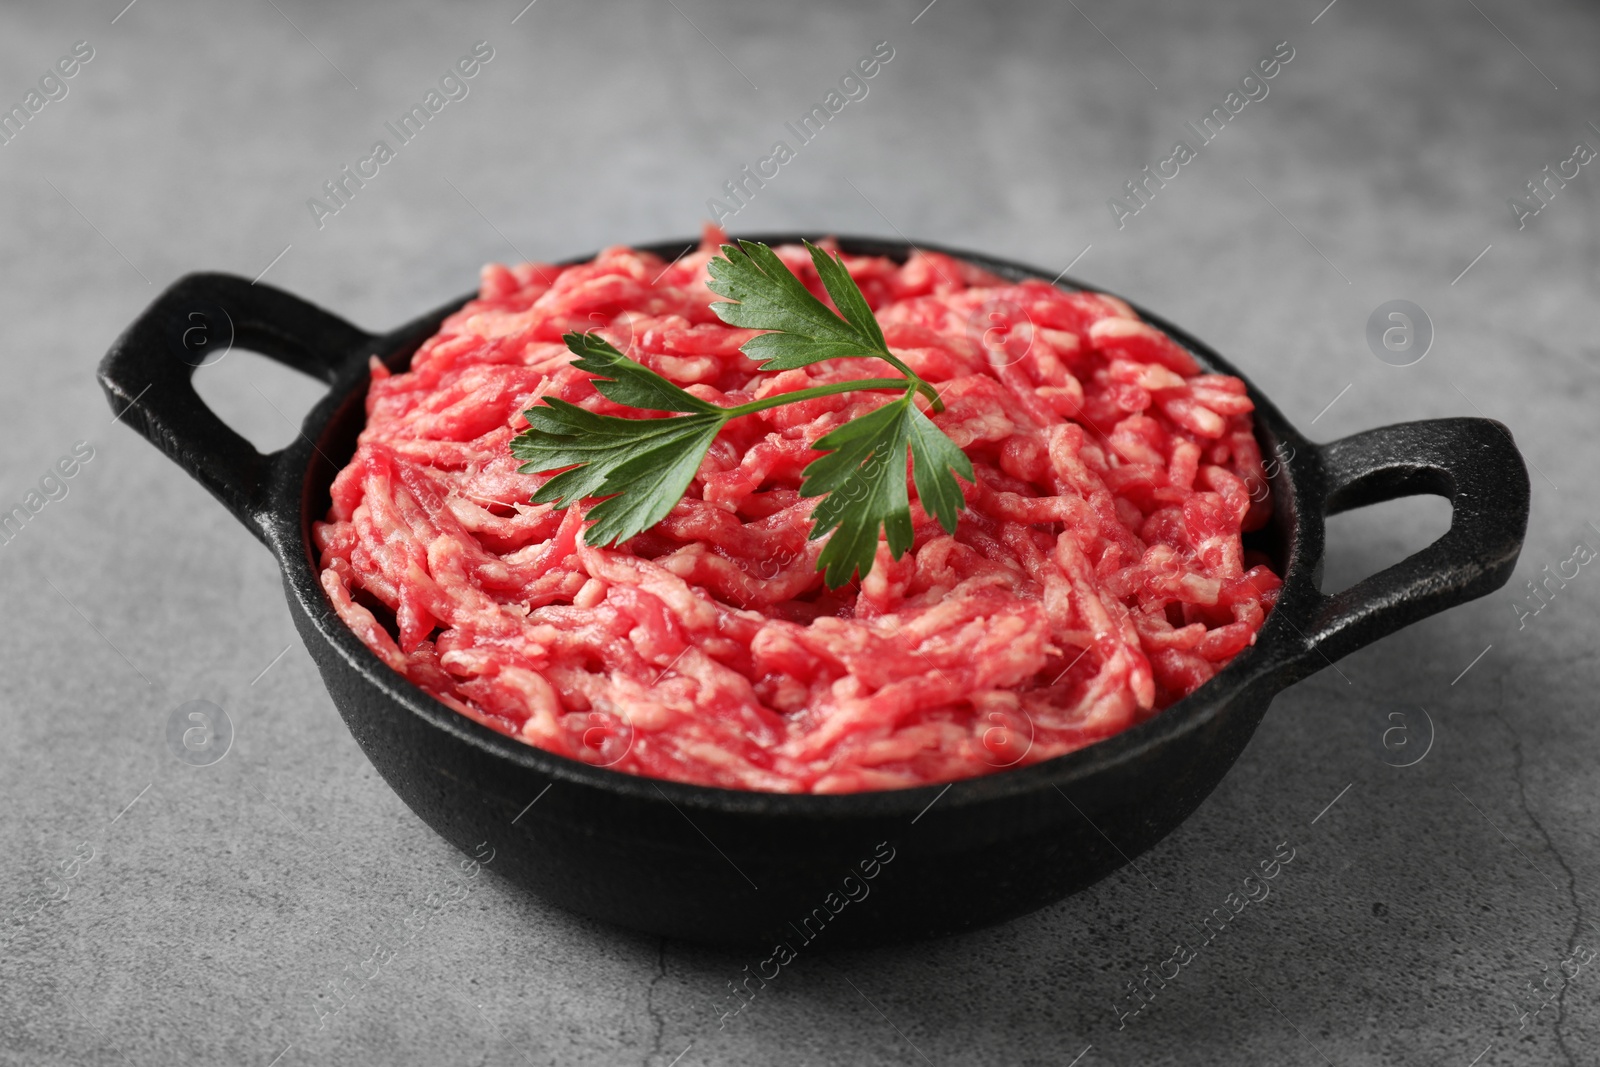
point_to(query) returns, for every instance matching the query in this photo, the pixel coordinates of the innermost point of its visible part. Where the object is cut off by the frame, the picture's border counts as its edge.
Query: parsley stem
(923, 387)
(832, 388)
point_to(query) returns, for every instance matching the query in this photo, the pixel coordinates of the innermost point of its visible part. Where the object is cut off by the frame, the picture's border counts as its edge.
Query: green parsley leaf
(933, 457)
(627, 382)
(643, 466)
(771, 298)
(864, 479)
(847, 298)
(803, 329)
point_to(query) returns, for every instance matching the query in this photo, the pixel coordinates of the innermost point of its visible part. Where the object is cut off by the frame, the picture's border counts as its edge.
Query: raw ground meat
(1097, 574)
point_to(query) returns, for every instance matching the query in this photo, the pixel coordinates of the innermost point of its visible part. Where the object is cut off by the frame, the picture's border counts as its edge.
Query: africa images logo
(52, 86)
(453, 85)
(199, 733)
(1138, 190)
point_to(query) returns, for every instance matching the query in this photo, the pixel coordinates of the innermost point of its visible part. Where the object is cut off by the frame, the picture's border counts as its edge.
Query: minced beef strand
(1097, 574)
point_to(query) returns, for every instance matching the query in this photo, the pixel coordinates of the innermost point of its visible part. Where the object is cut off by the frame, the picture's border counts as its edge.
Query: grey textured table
(209, 913)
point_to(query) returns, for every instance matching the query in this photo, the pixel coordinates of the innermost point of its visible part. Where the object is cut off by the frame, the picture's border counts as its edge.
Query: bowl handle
(1471, 462)
(147, 374)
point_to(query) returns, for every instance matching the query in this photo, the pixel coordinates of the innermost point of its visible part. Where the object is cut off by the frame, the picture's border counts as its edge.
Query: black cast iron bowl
(729, 866)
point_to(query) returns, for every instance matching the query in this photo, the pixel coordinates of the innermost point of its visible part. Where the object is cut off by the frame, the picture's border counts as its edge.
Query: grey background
(221, 901)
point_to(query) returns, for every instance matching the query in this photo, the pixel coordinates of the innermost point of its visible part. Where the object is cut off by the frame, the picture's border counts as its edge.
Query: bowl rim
(298, 484)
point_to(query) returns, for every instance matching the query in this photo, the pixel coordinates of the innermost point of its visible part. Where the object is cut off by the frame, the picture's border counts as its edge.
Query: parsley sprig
(642, 467)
